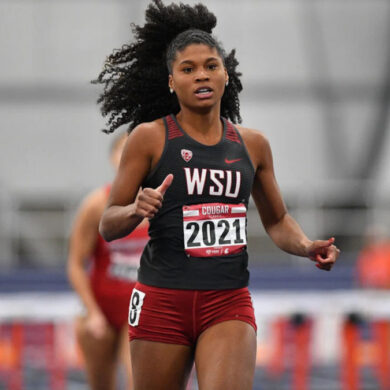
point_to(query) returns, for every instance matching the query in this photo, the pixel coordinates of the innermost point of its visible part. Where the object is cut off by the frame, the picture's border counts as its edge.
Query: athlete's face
(198, 77)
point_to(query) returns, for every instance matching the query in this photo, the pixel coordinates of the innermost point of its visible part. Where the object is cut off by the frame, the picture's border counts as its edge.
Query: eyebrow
(192, 62)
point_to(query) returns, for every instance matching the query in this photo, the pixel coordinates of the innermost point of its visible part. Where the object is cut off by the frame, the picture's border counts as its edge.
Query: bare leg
(225, 357)
(124, 353)
(100, 356)
(160, 366)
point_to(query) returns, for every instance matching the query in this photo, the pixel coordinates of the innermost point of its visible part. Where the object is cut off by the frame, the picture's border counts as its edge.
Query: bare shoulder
(252, 136)
(256, 143)
(148, 131)
(149, 128)
(146, 141)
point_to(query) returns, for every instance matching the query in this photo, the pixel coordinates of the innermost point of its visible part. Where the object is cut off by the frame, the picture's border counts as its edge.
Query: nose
(202, 76)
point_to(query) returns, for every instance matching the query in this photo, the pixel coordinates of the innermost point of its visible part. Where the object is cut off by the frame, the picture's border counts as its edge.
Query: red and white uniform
(114, 273)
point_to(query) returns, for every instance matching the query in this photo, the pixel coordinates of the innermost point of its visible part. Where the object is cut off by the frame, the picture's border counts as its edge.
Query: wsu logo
(186, 154)
(215, 182)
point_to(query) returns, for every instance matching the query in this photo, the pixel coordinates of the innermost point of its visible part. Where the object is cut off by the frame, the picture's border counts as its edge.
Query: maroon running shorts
(180, 316)
(115, 307)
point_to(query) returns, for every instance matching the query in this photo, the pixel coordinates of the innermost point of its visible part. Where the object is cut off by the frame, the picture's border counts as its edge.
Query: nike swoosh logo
(232, 161)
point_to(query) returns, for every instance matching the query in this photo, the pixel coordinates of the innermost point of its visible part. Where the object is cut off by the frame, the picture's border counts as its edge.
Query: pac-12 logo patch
(186, 154)
(136, 302)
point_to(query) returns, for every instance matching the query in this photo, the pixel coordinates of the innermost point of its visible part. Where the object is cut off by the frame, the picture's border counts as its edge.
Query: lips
(204, 92)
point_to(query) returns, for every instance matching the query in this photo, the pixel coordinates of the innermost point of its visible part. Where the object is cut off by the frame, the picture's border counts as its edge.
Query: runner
(105, 291)
(189, 170)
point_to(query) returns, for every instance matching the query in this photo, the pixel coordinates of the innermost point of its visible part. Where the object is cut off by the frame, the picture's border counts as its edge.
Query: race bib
(136, 302)
(122, 267)
(125, 256)
(214, 229)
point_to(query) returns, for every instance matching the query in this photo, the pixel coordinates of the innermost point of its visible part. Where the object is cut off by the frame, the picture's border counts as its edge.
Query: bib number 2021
(210, 233)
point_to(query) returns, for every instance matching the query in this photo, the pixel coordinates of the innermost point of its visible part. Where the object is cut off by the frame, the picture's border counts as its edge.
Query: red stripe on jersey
(231, 133)
(173, 130)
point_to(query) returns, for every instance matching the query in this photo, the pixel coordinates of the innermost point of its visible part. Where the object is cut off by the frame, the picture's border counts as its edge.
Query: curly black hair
(135, 77)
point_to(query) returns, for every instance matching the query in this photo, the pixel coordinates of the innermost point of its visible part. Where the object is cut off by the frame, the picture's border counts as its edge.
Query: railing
(34, 227)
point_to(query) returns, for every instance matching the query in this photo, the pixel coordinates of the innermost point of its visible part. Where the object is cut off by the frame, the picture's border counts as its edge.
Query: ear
(226, 76)
(170, 82)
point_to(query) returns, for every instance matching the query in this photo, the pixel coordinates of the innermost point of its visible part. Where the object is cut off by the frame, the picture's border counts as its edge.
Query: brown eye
(213, 66)
(187, 70)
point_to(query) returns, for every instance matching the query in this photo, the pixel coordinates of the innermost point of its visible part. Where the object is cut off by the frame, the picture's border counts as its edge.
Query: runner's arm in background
(83, 239)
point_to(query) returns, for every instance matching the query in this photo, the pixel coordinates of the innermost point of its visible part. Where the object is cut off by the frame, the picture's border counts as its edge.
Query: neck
(207, 125)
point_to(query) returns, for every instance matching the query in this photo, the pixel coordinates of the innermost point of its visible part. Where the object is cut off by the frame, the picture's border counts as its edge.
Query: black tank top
(198, 237)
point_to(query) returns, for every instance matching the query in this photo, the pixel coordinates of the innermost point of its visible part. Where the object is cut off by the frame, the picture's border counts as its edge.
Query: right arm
(81, 246)
(127, 205)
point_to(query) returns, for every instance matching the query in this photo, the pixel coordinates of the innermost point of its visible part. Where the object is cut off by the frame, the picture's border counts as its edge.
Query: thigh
(100, 356)
(160, 366)
(225, 356)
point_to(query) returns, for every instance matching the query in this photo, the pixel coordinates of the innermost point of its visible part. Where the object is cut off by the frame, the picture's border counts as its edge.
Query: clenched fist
(149, 200)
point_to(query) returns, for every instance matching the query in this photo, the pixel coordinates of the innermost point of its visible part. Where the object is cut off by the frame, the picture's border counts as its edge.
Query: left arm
(281, 227)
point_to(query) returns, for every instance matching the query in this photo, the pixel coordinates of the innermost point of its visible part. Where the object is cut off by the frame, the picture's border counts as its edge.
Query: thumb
(323, 243)
(162, 188)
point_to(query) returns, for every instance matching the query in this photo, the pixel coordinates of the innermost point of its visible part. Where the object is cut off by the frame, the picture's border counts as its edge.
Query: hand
(149, 200)
(96, 324)
(324, 253)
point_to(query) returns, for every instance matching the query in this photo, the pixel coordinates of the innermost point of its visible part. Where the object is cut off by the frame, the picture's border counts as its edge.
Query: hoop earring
(170, 90)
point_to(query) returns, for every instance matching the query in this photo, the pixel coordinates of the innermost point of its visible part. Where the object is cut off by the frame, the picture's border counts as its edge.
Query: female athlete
(190, 170)
(105, 291)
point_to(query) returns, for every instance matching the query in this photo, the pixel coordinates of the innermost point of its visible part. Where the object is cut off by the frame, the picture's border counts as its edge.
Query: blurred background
(316, 77)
